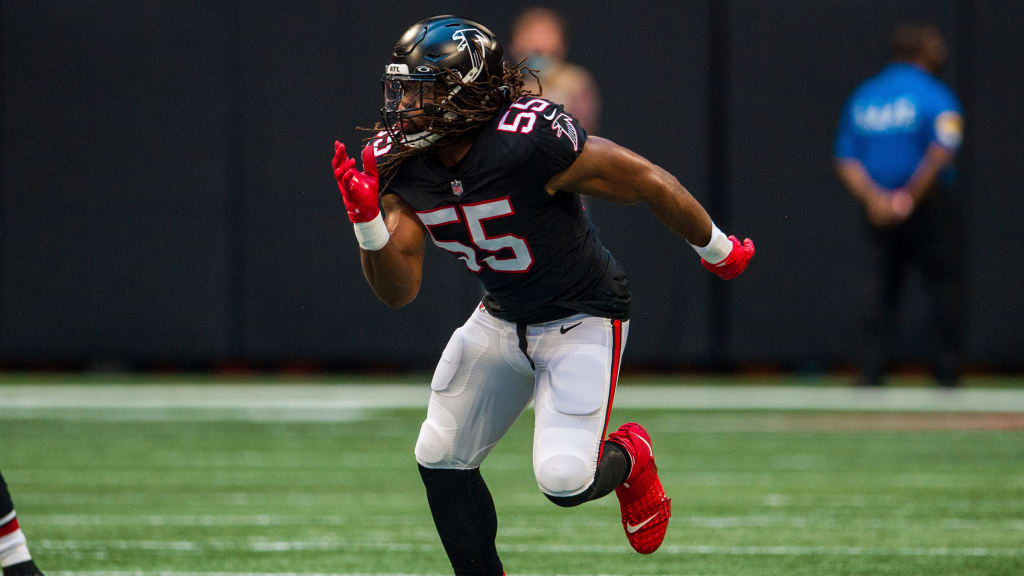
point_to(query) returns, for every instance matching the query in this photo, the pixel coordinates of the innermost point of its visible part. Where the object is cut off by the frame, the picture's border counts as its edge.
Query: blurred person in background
(898, 135)
(539, 36)
(493, 174)
(14, 556)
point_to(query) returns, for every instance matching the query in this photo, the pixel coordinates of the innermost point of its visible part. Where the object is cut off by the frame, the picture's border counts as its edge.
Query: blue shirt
(891, 119)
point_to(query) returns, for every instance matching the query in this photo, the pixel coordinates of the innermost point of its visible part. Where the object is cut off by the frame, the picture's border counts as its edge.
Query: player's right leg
(481, 385)
(14, 555)
(883, 284)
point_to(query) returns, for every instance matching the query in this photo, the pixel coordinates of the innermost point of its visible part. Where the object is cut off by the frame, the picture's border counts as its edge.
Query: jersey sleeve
(947, 121)
(556, 135)
(844, 144)
(383, 147)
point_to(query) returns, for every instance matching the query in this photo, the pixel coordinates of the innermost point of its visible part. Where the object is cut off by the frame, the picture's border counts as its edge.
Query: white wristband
(372, 235)
(718, 248)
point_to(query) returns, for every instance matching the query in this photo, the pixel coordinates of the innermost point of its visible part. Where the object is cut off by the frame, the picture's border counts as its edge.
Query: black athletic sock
(23, 569)
(464, 515)
(612, 470)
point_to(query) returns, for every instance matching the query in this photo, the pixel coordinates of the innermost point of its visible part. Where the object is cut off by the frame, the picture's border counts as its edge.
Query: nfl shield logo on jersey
(457, 187)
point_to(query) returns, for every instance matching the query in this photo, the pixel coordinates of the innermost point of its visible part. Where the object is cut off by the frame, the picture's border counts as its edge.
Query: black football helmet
(430, 53)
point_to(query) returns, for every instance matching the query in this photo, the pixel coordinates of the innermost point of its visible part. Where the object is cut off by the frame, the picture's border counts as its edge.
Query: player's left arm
(945, 139)
(609, 171)
(937, 158)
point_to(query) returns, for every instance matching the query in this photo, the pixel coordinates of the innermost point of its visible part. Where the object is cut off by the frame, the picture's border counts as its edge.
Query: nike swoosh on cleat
(563, 329)
(632, 528)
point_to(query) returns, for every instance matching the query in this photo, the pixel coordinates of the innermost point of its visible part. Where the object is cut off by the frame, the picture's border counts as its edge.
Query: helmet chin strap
(424, 138)
(420, 139)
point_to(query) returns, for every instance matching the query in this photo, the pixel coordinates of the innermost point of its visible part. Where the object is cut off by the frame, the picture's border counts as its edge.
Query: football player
(14, 556)
(493, 175)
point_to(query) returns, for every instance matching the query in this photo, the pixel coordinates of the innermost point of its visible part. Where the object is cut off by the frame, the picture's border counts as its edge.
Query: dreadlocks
(473, 105)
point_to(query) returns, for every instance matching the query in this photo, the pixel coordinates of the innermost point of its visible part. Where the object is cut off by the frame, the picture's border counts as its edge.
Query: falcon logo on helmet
(465, 37)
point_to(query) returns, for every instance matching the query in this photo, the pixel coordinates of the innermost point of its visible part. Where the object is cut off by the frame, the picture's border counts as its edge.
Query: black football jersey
(537, 254)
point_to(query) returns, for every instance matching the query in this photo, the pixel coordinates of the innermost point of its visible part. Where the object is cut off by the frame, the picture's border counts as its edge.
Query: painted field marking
(377, 546)
(280, 401)
(510, 526)
(166, 573)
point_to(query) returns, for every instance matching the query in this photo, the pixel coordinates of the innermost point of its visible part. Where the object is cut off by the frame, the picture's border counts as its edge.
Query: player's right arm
(395, 271)
(876, 201)
(391, 249)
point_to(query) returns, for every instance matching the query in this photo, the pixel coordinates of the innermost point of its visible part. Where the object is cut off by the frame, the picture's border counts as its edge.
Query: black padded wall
(167, 195)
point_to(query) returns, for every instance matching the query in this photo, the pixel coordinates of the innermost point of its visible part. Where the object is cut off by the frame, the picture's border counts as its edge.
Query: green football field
(226, 479)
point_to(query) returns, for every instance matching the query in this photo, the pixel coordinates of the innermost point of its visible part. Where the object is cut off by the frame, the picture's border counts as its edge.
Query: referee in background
(894, 150)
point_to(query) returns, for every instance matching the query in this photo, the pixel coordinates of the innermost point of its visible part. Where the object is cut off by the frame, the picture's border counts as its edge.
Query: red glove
(359, 190)
(735, 262)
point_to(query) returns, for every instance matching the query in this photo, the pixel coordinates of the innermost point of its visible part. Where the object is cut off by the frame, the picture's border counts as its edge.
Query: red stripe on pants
(616, 356)
(9, 528)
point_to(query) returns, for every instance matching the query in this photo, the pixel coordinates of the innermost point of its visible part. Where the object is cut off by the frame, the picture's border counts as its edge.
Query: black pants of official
(931, 240)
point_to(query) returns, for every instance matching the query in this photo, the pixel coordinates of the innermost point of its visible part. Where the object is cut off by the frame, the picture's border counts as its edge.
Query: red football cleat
(645, 508)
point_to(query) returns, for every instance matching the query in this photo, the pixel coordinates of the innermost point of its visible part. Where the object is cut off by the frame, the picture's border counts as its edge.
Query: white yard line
(376, 546)
(293, 400)
(510, 526)
(165, 573)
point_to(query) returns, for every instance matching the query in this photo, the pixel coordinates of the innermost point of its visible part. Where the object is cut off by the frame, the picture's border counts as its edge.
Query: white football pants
(484, 381)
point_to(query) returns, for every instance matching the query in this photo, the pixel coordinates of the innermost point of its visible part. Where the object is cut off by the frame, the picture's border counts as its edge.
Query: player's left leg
(578, 363)
(645, 507)
(941, 226)
(14, 555)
